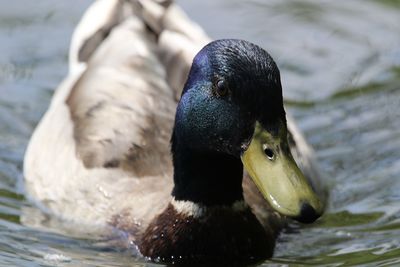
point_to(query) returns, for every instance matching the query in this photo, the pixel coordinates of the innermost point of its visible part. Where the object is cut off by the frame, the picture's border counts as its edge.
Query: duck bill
(270, 164)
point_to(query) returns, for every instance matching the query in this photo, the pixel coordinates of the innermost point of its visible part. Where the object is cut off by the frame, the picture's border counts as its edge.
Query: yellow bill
(271, 166)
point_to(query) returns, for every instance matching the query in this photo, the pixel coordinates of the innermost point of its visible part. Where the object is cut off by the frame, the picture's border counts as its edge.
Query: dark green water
(340, 67)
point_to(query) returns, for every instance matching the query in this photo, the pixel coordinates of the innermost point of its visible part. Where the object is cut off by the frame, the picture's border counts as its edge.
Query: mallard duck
(120, 153)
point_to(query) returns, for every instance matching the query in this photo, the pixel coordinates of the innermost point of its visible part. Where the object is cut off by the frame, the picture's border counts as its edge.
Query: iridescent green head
(231, 115)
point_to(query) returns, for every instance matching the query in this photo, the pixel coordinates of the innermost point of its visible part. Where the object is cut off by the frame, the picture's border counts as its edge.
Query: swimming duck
(119, 153)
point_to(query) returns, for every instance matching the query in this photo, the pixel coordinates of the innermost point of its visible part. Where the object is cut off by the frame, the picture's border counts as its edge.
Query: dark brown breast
(220, 236)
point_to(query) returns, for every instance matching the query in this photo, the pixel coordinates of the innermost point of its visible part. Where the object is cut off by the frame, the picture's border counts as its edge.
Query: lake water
(340, 67)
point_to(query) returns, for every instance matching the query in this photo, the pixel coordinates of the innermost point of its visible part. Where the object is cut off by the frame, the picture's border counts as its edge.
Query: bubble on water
(56, 257)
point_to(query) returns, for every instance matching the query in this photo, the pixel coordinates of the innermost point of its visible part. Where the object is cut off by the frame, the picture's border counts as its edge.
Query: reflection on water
(340, 66)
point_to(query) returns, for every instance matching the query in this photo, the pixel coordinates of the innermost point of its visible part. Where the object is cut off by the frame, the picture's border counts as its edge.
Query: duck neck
(207, 220)
(207, 178)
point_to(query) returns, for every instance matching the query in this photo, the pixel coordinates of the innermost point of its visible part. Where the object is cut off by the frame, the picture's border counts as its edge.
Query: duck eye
(268, 152)
(221, 88)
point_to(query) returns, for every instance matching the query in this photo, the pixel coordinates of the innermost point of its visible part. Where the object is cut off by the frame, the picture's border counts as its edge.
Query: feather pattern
(100, 157)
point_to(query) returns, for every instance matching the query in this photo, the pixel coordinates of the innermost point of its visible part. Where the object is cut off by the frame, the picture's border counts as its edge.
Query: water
(340, 66)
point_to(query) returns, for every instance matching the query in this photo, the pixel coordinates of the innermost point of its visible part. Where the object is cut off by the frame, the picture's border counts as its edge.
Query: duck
(176, 144)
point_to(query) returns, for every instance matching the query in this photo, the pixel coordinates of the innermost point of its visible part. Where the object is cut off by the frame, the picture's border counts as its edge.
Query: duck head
(231, 115)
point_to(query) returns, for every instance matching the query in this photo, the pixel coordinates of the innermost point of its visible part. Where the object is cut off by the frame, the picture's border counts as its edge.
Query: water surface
(340, 67)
